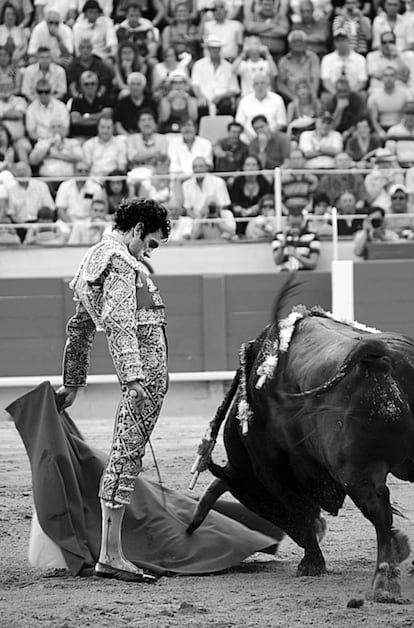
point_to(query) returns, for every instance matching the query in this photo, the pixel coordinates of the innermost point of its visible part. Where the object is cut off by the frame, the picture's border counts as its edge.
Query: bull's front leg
(372, 498)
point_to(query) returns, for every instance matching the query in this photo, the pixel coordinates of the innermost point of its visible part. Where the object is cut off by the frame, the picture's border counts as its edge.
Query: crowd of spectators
(101, 99)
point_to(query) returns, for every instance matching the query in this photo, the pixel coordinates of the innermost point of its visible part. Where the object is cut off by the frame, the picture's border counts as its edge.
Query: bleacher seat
(214, 128)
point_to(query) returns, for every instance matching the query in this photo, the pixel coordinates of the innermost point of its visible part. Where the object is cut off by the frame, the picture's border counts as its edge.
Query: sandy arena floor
(262, 592)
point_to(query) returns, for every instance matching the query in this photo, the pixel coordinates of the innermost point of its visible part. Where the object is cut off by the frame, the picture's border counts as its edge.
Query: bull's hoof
(306, 568)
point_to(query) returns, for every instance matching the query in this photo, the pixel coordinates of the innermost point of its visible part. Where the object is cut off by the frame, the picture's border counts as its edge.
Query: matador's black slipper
(106, 571)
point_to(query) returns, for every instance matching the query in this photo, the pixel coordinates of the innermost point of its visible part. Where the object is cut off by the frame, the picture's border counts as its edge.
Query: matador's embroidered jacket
(114, 294)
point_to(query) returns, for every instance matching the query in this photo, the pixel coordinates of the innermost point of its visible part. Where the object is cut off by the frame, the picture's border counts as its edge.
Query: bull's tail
(207, 501)
(370, 352)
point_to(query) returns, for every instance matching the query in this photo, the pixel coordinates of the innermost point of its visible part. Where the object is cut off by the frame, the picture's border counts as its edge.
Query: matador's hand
(65, 396)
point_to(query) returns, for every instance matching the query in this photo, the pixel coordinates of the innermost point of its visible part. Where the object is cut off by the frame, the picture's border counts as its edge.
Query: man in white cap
(343, 62)
(213, 81)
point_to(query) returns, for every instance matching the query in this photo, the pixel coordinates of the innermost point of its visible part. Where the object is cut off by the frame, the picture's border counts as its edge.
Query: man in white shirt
(27, 197)
(98, 28)
(390, 20)
(43, 110)
(400, 138)
(229, 32)
(45, 68)
(321, 145)
(205, 196)
(74, 196)
(184, 148)
(343, 62)
(105, 152)
(262, 101)
(55, 35)
(214, 82)
(387, 56)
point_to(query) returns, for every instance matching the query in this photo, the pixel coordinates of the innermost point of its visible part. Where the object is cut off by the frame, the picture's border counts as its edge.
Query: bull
(319, 409)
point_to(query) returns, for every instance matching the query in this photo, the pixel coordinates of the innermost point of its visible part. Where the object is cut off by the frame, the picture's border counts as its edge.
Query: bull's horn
(207, 501)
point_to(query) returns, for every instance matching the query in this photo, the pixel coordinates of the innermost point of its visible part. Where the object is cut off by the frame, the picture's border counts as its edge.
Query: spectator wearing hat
(261, 101)
(98, 28)
(299, 63)
(346, 108)
(53, 34)
(105, 152)
(271, 149)
(400, 204)
(139, 31)
(386, 105)
(356, 24)
(230, 151)
(213, 81)
(321, 145)
(254, 59)
(129, 107)
(270, 22)
(229, 32)
(86, 61)
(44, 109)
(385, 57)
(400, 137)
(176, 105)
(374, 229)
(184, 148)
(390, 20)
(343, 62)
(317, 31)
(87, 109)
(142, 147)
(44, 68)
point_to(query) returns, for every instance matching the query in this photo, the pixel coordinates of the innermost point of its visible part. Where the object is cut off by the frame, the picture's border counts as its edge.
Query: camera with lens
(377, 222)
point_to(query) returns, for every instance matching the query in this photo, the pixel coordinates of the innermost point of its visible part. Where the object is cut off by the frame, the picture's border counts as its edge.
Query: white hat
(398, 186)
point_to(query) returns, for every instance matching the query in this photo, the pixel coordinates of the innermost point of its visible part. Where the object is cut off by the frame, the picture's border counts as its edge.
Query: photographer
(374, 229)
(206, 201)
(296, 248)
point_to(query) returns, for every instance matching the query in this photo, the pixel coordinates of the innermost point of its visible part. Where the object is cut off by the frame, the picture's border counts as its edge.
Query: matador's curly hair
(152, 214)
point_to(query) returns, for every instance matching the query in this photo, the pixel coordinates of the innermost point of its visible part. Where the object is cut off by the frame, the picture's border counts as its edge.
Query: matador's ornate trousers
(132, 430)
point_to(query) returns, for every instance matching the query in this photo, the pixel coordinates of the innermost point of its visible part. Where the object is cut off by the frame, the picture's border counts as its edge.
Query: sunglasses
(43, 91)
(90, 83)
(387, 41)
(53, 23)
(399, 197)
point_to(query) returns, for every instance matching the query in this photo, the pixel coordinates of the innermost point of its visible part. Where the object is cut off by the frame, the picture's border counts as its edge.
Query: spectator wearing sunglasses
(89, 107)
(51, 32)
(44, 109)
(386, 56)
(44, 68)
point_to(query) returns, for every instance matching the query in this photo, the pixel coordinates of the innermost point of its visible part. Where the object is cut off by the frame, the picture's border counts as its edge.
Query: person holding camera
(206, 201)
(254, 59)
(374, 229)
(296, 247)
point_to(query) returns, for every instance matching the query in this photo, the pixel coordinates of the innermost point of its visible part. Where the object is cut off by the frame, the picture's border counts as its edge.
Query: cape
(65, 477)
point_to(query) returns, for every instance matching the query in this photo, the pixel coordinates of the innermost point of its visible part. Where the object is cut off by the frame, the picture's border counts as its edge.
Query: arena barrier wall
(208, 317)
